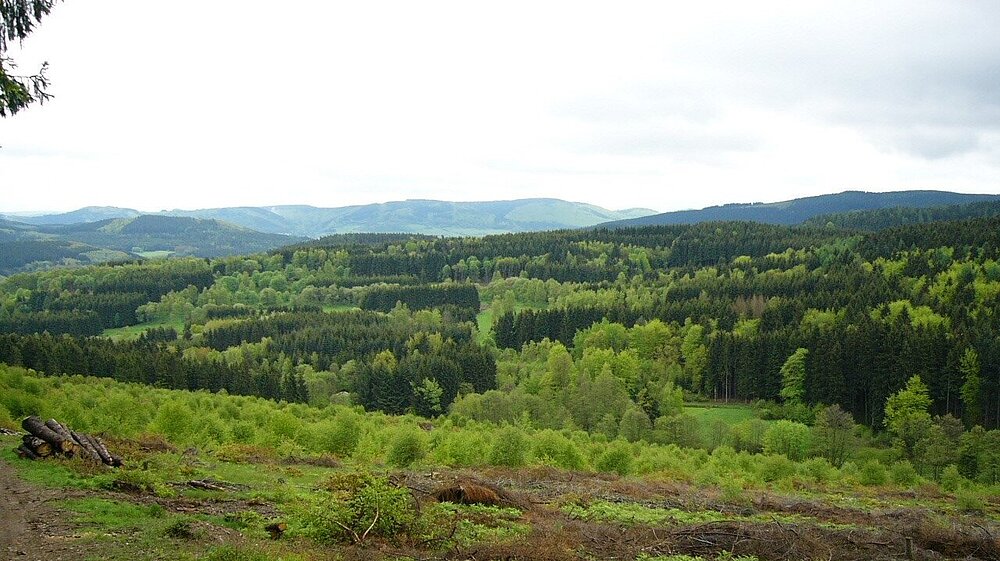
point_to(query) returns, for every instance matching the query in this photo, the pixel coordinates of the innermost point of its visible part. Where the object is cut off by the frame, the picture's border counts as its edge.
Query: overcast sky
(194, 104)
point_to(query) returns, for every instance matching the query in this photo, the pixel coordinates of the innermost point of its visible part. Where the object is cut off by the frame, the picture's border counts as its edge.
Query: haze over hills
(797, 211)
(28, 246)
(411, 216)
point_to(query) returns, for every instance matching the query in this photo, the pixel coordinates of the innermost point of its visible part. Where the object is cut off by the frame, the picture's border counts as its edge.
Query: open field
(151, 511)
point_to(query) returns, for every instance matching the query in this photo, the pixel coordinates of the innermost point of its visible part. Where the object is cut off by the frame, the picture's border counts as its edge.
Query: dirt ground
(30, 527)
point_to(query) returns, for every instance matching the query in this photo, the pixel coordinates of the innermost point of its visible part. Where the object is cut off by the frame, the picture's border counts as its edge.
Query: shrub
(341, 435)
(951, 479)
(817, 469)
(408, 447)
(872, 473)
(510, 448)
(967, 500)
(775, 467)
(351, 504)
(553, 448)
(616, 459)
(788, 438)
(903, 473)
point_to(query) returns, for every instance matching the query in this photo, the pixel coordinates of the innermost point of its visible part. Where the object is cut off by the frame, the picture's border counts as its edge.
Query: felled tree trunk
(37, 445)
(37, 428)
(86, 446)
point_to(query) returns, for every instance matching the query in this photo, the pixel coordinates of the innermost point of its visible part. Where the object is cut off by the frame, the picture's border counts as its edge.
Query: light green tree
(793, 376)
(907, 416)
(971, 387)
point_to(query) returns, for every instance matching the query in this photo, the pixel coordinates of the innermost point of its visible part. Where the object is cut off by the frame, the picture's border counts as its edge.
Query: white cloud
(194, 104)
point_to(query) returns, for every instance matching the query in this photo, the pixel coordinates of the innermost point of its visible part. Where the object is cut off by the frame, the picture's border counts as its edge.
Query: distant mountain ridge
(419, 216)
(797, 211)
(29, 246)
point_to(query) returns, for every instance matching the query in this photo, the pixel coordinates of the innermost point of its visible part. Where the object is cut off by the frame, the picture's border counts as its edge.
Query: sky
(663, 105)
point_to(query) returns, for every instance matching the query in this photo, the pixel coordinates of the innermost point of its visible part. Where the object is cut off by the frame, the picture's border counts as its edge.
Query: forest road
(31, 528)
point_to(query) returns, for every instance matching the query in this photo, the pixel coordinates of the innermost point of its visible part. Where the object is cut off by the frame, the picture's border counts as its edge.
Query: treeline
(401, 361)
(90, 300)
(148, 363)
(385, 297)
(883, 218)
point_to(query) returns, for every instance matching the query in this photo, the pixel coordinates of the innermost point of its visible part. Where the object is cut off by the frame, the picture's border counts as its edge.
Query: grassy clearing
(159, 254)
(132, 332)
(484, 324)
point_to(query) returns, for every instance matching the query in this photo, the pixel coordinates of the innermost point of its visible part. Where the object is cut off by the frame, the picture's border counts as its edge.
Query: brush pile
(51, 438)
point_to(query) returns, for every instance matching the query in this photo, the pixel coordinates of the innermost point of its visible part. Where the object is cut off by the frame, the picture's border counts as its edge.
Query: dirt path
(30, 527)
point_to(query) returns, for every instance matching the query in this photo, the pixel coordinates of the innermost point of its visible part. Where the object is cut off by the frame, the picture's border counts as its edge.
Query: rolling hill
(797, 211)
(412, 216)
(27, 246)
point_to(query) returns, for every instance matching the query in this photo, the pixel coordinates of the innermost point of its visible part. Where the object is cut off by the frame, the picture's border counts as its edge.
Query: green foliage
(408, 446)
(951, 479)
(617, 458)
(971, 391)
(355, 506)
(788, 438)
(833, 435)
(872, 472)
(903, 473)
(551, 447)
(510, 447)
(967, 500)
(793, 376)
(906, 415)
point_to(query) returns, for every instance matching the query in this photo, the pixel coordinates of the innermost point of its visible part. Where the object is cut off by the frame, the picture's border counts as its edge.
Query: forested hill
(715, 309)
(880, 219)
(413, 216)
(25, 246)
(798, 211)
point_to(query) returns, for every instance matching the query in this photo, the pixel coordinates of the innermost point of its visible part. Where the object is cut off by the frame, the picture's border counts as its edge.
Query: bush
(341, 435)
(555, 449)
(408, 447)
(353, 502)
(872, 473)
(775, 467)
(510, 448)
(967, 500)
(788, 438)
(616, 459)
(902, 473)
(951, 479)
(817, 469)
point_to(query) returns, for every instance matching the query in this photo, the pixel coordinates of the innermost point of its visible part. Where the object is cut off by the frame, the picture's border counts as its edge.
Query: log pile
(51, 438)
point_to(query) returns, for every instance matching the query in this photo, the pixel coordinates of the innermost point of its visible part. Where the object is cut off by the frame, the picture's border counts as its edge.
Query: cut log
(206, 485)
(102, 450)
(26, 453)
(86, 446)
(116, 461)
(35, 426)
(37, 445)
(59, 429)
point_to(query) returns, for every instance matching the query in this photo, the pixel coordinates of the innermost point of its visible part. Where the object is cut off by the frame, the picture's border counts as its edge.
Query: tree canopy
(18, 19)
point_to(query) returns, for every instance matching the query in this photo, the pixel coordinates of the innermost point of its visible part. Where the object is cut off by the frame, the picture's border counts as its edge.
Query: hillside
(26, 247)
(692, 389)
(419, 216)
(412, 216)
(86, 214)
(883, 218)
(797, 211)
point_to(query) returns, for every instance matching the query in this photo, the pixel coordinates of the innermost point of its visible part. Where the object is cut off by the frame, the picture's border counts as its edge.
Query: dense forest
(601, 330)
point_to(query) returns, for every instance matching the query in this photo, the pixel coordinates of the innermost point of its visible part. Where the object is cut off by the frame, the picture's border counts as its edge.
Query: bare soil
(31, 528)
